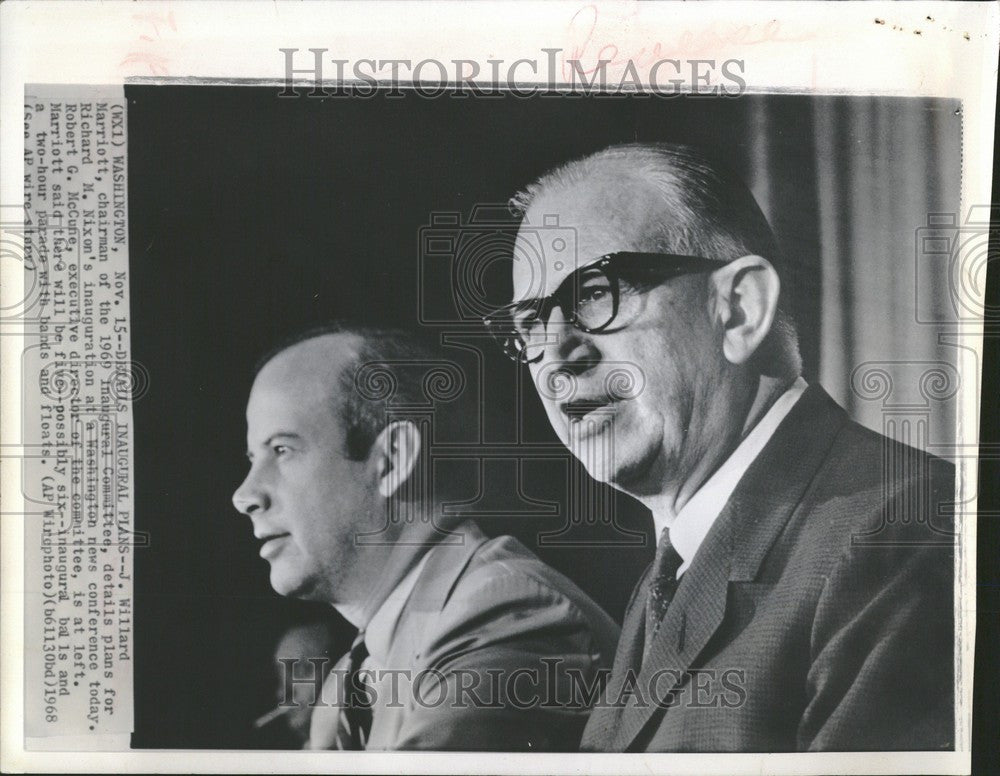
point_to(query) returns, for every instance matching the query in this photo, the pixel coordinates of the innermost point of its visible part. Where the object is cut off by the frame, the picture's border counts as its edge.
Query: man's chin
(285, 585)
(607, 457)
(634, 475)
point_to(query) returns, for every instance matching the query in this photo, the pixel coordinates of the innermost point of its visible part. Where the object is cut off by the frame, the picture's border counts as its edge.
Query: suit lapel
(445, 564)
(776, 483)
(733, 550)
(693, 616)
(444, 567)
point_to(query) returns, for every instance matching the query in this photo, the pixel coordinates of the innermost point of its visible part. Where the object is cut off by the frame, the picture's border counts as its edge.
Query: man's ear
(396, 451)
(743, 298)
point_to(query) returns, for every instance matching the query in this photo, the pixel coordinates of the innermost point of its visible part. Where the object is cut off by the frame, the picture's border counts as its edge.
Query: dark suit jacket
(816, 615)
(487, 605)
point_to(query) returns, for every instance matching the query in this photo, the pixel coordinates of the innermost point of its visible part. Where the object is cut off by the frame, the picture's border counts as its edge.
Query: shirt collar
(382, 626)
(693, 522)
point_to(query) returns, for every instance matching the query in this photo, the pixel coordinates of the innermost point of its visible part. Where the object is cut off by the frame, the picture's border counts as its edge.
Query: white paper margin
(937, 49)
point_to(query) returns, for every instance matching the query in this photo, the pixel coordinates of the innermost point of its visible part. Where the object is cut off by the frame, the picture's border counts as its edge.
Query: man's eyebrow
(281, 435)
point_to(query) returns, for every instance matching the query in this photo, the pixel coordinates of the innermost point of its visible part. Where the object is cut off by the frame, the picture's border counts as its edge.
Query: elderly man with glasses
(800, 597)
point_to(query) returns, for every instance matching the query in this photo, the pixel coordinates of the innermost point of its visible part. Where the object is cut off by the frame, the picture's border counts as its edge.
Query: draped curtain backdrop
(867, 205)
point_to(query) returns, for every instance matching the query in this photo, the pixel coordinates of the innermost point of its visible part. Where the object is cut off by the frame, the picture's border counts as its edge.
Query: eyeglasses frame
(607, 264)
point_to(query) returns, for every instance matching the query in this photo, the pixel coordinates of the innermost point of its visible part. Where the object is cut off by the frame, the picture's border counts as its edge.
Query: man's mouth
(271, 543)
(592, 409)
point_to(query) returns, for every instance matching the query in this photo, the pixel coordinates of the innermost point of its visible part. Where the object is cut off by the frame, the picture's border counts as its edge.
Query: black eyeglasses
(590, 298)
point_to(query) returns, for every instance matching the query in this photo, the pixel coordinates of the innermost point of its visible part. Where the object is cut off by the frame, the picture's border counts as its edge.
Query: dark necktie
(356, 713)
(662, 585)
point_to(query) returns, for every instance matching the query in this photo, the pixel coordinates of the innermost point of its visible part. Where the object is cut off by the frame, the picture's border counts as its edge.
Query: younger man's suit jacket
(488, 654)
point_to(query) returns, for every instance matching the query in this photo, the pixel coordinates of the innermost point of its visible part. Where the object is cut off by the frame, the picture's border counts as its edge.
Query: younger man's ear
(395, 454)
(743, 299)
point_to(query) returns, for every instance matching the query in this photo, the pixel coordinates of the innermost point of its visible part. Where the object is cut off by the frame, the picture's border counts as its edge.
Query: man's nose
(574, 350)
(250, 498)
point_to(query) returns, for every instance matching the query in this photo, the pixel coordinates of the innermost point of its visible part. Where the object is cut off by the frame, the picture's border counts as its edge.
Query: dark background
(254, 216)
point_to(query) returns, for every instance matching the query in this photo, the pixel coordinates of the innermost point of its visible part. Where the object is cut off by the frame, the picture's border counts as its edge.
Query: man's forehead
(301, 376)
(567, 228)
(316, 360)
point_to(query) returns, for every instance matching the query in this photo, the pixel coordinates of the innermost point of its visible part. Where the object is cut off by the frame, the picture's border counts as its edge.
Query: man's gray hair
(707, 211)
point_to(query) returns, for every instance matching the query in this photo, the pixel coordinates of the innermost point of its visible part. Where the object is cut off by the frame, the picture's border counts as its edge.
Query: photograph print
(590, 423)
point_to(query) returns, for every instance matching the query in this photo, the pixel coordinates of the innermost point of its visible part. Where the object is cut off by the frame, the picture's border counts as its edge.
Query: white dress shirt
(382, 626)
(378, 638)
(692, 523)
